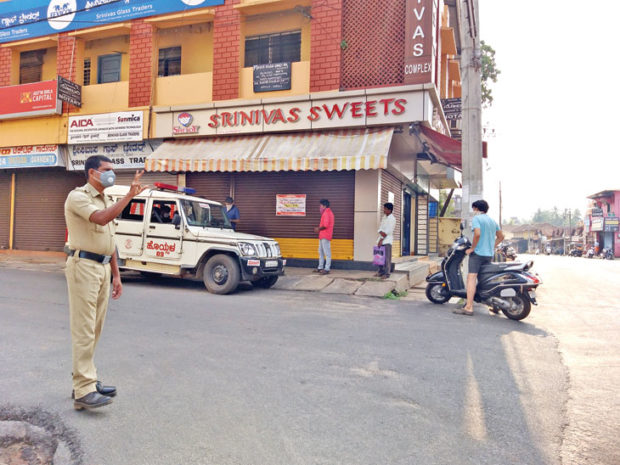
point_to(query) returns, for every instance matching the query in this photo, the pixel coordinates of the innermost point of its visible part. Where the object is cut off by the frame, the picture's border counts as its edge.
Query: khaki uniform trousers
(89, 292)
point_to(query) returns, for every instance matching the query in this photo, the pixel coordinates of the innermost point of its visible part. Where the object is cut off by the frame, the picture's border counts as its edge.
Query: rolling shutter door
(125, 178)
(39, 207)
(255, 195)
(389, 183)
(5, 208)
(212, 186)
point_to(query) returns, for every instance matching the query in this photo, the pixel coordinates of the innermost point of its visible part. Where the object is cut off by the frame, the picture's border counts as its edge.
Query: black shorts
(476, 262)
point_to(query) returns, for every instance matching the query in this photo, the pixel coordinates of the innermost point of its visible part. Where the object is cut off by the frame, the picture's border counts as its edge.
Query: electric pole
(471, 103)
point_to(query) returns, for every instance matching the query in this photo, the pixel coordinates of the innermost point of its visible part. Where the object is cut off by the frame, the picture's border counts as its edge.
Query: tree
(489, 72)
(443, 196)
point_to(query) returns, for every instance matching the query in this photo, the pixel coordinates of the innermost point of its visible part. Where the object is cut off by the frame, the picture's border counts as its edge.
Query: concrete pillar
(367, 215)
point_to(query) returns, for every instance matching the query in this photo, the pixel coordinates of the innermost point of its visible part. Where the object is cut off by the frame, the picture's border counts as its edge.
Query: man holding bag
(386, 237)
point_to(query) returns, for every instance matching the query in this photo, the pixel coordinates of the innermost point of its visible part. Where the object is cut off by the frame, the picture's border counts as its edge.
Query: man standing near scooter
(487, 235)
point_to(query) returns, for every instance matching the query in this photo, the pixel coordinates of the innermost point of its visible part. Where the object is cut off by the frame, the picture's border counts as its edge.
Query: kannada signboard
(419, 42)
(611, 224)
(70, 92)
(26, 19)
(290, 204)
(275, 76)
(451, 108)
(38, 98)
(597, 224)
(107, 127)
(31, 156)
(127, 155)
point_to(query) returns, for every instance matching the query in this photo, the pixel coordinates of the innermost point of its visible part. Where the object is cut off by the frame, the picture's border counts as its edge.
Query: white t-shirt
(388, 223)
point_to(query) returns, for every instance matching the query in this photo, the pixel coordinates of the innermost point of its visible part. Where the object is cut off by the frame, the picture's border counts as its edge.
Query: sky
(556, 103)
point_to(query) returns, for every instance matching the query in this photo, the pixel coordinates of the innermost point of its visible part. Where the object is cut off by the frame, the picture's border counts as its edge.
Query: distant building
(601, 220)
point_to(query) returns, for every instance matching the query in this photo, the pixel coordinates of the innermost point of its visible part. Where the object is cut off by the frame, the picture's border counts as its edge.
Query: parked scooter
(607, 254)
(508, 287)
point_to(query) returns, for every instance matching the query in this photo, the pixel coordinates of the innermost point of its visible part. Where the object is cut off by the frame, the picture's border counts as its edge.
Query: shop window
(283, 47)
(109, 68)
(87, 71)
(169, 61)
(30, 66)
(134, 211)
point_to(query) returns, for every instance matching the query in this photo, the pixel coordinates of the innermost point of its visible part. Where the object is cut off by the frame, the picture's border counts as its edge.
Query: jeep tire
(221, 274)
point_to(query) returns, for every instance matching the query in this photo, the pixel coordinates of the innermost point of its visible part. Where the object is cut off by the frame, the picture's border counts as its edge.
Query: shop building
(276, 103)
(602, 221)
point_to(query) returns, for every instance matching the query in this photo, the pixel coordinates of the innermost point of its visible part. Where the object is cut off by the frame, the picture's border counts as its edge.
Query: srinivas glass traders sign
(31, 156)
(38, 98)
(108, 127)
(290, 204)
(25, 19)
(128, 155)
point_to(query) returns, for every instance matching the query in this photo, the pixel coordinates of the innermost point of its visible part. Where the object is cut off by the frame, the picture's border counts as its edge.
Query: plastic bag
(378, 255)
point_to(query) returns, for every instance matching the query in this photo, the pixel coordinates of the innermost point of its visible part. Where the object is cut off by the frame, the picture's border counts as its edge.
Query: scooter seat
(501, 267)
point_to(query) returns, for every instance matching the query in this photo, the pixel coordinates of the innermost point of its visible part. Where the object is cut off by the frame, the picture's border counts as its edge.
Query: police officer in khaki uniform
(89, 215)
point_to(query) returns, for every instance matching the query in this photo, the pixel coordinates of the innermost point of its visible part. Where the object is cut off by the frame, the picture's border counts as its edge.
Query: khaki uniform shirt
(84, 234)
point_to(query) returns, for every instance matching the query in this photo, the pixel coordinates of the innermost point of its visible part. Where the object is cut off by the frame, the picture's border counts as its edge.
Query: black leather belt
(92, 256)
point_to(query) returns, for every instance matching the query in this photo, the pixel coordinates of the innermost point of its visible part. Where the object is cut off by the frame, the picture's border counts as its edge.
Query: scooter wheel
(522, 307)
(437, 293)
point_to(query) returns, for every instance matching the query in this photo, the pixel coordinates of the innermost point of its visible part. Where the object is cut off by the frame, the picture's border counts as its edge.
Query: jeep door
(163, 239)
(130, 228)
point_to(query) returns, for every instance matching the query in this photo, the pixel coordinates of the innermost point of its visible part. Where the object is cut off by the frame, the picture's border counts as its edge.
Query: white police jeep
(166, 231)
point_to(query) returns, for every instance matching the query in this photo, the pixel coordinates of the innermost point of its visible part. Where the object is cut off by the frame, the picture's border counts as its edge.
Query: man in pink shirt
(326, 231)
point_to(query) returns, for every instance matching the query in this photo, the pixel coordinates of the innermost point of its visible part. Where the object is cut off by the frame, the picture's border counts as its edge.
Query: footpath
(408, 276)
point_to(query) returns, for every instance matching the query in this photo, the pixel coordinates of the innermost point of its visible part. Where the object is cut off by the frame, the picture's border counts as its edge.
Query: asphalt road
(276, 377)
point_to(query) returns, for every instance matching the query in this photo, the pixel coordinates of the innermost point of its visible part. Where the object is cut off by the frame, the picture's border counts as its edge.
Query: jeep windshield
(204, 214)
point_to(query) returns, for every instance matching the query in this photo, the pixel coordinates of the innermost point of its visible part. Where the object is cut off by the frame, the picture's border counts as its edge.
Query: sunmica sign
(25, 19)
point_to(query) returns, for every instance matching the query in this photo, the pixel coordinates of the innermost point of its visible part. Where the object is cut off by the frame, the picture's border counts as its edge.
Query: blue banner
(25, 19)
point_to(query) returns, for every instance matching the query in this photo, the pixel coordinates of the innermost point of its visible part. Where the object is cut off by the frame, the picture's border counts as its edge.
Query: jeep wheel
(221, 274)
(265, 283)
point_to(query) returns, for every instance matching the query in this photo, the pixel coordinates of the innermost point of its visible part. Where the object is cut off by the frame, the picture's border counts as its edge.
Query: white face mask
(107, 178)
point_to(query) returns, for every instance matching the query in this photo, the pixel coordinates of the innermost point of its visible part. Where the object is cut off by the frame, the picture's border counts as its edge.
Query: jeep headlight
(276, 248)
(247, 249)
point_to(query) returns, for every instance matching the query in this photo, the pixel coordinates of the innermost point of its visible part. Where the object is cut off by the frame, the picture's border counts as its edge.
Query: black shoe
(109, 391)
(91, 400)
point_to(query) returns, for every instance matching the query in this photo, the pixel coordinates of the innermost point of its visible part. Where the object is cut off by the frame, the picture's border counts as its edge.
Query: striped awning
(351, 149)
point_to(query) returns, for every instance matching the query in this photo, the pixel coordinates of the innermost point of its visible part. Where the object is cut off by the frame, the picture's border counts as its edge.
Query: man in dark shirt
(232, 212)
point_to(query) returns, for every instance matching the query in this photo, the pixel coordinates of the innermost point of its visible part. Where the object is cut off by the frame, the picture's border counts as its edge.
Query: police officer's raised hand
(136, 186)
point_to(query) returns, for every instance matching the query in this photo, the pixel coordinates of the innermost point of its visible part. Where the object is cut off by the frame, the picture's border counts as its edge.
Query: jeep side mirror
(176, 221)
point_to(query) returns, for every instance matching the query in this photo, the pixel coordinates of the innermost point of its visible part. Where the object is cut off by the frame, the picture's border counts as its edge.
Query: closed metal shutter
(40, 196)
(5, 208)
(389, 183)
(422, 225)
(212, 186)
(255, 195)
(125, 178)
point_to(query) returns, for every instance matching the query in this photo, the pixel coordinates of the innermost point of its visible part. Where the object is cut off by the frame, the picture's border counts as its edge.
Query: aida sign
(25, 19)
(419, 42)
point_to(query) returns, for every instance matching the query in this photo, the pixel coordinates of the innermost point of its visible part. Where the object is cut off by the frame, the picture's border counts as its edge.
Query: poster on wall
(26, 19)
(290, 204)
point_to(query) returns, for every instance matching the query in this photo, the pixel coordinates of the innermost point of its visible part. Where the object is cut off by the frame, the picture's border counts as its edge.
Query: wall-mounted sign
(185, 124)
(70, 92)
(611, 224)
(108, 127)
(452, 108)
(275, 76)
(25, 19)
(597, 224)
(126, 155)
(419, 42)
(31, 156)
(319, 113)
(597, 211)
(38, 98)
(291, 205)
